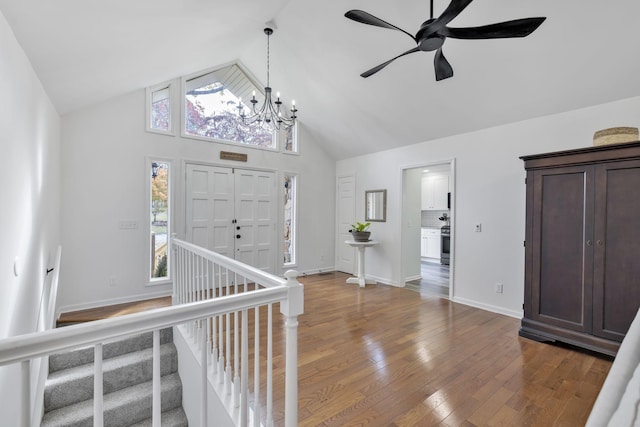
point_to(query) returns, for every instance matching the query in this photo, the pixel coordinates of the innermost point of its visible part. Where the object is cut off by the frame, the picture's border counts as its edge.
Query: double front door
(233, 212)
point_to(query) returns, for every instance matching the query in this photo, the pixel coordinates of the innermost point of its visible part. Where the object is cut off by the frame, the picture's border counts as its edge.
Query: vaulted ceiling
(585, 53)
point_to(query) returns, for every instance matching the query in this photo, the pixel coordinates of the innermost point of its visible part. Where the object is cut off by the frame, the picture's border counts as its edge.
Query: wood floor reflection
(385, 356)
(434, 279)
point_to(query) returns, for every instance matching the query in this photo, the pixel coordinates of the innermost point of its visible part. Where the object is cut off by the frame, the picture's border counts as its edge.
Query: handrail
(225, 290)
(252, 273)
(28, 346)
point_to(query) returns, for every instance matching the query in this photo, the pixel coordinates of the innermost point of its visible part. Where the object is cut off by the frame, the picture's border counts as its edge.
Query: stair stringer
(189, 369)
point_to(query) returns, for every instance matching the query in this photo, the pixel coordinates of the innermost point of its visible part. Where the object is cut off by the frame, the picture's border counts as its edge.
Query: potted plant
(359, 231)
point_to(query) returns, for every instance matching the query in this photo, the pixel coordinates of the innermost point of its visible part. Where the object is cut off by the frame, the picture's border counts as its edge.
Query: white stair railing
(224, 340)
(240, 288)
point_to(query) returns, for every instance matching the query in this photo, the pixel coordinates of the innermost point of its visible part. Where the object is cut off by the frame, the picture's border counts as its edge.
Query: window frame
(296, 141)
(183, 105)
(151, 281)
(295, 220)
(149, 91)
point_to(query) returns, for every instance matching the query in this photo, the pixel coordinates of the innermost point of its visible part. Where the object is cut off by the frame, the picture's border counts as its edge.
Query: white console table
(361, 279)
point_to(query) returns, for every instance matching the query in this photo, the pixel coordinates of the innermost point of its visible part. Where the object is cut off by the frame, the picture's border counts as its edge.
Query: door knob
(237, 236)
(238, 228)
(589, 243)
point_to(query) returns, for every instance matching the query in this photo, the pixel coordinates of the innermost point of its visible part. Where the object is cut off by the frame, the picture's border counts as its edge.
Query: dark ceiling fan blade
(442, 66)
(508, 29)
(384, 64)
(454, 9)
(367, 18)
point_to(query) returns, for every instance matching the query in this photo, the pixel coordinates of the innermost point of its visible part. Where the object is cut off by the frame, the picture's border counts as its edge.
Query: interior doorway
(428, 217)
(233, 212)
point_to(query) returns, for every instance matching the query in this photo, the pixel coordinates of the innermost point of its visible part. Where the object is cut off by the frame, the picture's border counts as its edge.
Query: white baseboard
(383, 280)
(113, 301)
(412, 278)
(317, 271)
(488, 307)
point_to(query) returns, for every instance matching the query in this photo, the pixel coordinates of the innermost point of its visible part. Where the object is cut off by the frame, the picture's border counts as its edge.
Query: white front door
(232, 212)
(255, 211)
(346, 187)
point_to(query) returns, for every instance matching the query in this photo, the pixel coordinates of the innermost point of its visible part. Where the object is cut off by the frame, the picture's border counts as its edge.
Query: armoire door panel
(617, 234)
(562, 267)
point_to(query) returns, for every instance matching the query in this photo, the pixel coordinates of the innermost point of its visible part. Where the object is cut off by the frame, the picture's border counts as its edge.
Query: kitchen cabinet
(582, 246)
(430, 243)
(434, 192)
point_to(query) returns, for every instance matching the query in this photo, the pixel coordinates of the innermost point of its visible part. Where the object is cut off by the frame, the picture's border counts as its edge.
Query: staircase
(127, 384)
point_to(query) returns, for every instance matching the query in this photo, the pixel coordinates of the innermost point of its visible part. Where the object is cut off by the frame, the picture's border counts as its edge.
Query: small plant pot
(361, 236)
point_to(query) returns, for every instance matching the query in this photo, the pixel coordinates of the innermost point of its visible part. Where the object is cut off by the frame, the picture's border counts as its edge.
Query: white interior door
(232, 212)
(346, 187)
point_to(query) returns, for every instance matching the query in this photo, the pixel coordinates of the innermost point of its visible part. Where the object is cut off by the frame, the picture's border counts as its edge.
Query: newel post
(292, 308)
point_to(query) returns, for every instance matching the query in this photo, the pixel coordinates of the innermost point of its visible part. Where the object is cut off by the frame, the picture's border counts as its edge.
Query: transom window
(211, 108)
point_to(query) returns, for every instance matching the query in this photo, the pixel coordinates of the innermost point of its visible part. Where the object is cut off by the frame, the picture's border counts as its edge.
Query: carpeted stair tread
(112, 349)
(173, 418)
(121, 408)
(73, 385)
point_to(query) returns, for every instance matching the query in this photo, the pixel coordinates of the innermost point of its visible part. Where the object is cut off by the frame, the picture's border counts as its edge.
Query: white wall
(103, 179)
(30, 193)
(489, 190)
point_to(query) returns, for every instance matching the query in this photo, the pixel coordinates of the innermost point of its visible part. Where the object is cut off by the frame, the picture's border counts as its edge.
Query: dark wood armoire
(582, 247)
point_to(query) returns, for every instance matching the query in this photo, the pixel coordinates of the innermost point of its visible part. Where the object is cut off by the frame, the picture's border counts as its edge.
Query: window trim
(150, 281)
(148, 94)
(183, 87)
(296, 134)
(295, 215)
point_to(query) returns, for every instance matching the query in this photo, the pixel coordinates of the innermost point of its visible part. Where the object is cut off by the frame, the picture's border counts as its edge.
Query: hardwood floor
(385, 356)
(434, 279)
(111, 311)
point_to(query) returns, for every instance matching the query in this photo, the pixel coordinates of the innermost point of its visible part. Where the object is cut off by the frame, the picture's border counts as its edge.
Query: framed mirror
(375, 205)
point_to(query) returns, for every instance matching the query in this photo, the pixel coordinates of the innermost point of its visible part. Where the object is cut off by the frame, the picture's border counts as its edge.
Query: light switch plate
(127, 225)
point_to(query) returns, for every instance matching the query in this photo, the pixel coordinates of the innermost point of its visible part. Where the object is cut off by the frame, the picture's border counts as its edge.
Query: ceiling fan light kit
(432, 34)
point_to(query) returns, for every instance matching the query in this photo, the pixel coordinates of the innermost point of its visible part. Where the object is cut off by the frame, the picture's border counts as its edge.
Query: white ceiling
(585, 53)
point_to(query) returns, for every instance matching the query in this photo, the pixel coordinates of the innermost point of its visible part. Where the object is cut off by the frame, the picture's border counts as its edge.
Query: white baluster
(98, 408)
(236, 364)
(26, 393)
(244, 394)
(203, 377)
(227, 372)
(156, 418)
(256, 369)
(270, 366)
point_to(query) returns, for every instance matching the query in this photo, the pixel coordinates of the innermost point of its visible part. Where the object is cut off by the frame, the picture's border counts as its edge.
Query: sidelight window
(159, 219)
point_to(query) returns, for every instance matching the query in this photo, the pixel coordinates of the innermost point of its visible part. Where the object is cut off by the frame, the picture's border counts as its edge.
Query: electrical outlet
(478, 228)
(112, 281)
(499, 288)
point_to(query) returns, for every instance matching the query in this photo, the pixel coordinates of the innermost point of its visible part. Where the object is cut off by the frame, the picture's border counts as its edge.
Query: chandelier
(270, 112)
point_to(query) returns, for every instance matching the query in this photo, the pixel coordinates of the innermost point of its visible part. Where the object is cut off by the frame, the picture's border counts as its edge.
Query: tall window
(290, 137)
(159, 209)
(289, 219)
(159, 106)
(211, 108)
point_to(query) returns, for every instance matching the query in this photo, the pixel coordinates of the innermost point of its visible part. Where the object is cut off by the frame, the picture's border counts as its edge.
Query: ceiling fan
(433, 32)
